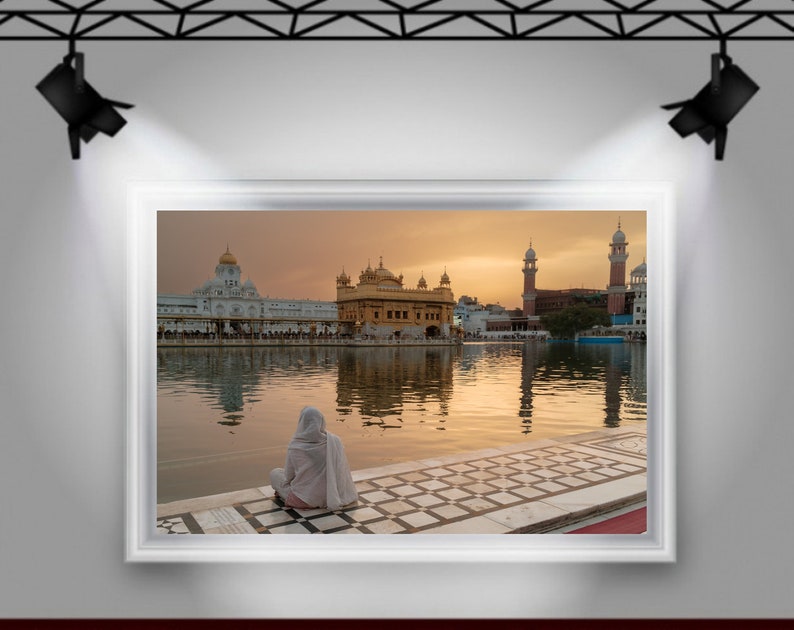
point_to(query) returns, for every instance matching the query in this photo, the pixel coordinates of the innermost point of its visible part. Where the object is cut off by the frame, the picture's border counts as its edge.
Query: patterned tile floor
(532, 487)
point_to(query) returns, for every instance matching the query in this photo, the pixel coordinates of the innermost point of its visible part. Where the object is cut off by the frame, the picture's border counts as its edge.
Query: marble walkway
(537, 486)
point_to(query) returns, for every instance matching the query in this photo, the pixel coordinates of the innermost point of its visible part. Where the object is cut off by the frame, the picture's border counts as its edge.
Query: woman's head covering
(311, 427)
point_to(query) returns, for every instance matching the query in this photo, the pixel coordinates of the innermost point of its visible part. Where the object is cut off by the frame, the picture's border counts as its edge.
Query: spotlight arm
(716, 83)
(119, 104)
(79, 64)
(74, 141)
(716, 66)
(79, 72)
(677, 105)
(724, 52)
(720, 137)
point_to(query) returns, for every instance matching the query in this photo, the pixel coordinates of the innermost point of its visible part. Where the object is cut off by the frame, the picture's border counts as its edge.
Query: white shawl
(317, 468)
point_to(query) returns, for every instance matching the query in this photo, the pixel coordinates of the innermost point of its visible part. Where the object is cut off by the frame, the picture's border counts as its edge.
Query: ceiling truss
(384, 20)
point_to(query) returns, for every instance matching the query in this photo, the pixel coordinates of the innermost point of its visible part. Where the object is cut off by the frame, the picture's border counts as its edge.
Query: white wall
(391, 110)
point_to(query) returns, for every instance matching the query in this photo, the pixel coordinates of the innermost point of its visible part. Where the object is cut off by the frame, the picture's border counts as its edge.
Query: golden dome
(228, 258)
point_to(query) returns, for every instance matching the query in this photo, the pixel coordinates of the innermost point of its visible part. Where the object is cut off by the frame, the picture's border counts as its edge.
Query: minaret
(444, 283)
(616, 290)
(530, 269)
(343, 280)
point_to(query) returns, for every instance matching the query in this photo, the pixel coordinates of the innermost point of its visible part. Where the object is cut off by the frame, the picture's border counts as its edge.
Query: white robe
(316, 470)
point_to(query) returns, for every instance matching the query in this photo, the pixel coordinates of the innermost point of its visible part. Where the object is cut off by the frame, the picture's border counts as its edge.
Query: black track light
(709, 113)
(80, 105)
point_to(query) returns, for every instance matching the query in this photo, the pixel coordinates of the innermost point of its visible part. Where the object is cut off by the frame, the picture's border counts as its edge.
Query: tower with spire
(530, 269)
(616, 289)
(444, 281)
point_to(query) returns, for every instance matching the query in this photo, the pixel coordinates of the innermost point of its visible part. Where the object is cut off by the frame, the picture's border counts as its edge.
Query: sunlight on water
(225, 416)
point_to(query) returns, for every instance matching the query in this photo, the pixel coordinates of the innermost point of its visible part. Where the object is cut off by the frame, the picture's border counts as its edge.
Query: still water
(226, 415)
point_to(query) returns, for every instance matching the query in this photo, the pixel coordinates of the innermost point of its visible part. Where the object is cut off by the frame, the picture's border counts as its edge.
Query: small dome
(640, 270)
(227, 258)
(530, 253)
(444, 276)
(248, 284)
(382, 272)
(619, 237)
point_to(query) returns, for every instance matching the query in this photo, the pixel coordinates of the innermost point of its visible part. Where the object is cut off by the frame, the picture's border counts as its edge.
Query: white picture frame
(145, 199)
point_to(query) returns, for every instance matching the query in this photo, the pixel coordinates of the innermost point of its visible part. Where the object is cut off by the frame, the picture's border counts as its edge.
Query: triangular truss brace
(441, 20)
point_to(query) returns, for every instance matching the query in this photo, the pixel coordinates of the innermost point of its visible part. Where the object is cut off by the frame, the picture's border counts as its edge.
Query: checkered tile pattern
(428, 497)
(174, 525)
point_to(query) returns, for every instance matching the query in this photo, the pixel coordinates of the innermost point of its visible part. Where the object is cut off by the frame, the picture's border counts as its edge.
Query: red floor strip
(634, 522)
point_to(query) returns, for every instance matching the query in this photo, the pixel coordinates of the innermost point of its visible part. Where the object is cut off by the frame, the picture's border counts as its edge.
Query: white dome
(640, 270)
(530, 255)
(618, 237)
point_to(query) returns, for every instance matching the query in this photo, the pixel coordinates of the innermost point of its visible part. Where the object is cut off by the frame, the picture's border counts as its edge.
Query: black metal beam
(429, 20)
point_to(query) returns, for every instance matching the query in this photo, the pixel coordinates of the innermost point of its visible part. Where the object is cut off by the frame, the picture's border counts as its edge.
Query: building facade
(381, 306)
(471, 316)
(227, 304)
(555, 300)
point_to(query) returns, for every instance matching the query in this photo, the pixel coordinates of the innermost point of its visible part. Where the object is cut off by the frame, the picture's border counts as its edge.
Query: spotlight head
(714, 106)
(80, 105)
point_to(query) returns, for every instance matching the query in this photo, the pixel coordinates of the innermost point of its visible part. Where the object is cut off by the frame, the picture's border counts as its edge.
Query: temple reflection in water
(224, 381)
(381, 383)
(571, 372)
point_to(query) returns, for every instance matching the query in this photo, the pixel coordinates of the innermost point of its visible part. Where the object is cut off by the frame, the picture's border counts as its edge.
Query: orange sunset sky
(298, 254)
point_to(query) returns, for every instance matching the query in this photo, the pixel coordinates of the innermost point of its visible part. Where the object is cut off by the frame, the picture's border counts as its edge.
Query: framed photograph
(487, 365)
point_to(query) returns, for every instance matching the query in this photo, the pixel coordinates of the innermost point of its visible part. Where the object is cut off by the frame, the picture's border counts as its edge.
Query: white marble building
(639, 284)
(239, 306)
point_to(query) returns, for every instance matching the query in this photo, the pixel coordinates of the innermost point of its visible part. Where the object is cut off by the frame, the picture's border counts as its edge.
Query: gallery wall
(380, 111)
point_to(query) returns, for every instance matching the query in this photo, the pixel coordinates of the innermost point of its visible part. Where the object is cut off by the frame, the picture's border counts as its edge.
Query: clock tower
(228, 273)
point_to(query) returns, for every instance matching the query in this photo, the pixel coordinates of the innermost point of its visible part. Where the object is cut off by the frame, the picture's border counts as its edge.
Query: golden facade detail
(381, 305)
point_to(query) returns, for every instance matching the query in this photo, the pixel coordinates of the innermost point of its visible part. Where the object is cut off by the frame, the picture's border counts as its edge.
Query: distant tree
(569, 321)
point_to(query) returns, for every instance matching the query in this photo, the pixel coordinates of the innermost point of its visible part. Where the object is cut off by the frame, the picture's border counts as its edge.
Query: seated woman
(316, 473)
